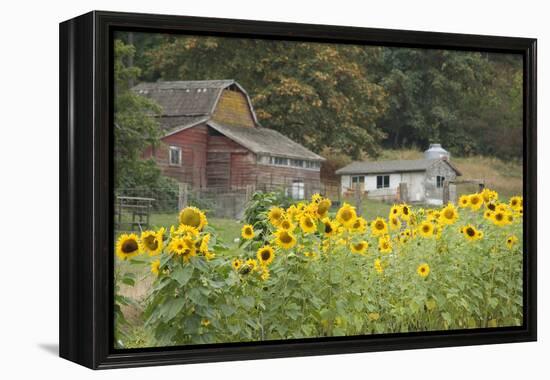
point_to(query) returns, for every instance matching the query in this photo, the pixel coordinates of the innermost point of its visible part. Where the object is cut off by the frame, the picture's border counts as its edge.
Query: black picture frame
(86, 200)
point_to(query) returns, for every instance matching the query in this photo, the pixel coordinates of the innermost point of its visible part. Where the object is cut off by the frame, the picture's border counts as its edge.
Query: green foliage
(358, 99)
(135, 130)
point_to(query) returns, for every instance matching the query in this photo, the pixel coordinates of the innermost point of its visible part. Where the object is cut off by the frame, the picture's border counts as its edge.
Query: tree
(135, 128)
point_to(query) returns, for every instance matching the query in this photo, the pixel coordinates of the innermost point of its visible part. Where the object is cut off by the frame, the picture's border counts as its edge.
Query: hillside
(505, 177)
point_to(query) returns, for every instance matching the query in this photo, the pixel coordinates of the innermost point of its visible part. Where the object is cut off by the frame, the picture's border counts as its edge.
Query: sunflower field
(310, 271)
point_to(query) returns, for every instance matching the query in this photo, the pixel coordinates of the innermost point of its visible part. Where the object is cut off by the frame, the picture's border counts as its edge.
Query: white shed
(424, 178)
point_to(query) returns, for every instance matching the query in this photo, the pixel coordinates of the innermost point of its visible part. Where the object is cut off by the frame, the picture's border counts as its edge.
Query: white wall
(29, 67)
(414, 180)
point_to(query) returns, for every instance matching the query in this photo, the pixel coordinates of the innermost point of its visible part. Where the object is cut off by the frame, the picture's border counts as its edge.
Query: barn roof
(396, 166)
(192, 98)
(186, 104)
(265, 141)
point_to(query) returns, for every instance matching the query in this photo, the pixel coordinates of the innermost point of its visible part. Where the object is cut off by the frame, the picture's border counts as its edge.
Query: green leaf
(183, 274)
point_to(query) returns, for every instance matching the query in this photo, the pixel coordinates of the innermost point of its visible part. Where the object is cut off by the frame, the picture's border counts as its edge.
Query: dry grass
(504, 177)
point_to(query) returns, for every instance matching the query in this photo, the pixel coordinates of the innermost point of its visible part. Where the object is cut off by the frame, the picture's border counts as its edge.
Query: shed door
(218, 170)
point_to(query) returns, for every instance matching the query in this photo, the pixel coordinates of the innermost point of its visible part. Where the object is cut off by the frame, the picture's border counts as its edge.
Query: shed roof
(396, 166)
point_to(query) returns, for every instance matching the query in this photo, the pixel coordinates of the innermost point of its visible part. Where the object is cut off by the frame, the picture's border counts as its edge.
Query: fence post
(403, 192)
(357, 193)
(182, 196)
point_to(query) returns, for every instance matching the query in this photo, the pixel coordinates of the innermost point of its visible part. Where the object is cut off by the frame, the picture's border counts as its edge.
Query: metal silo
(435, 151)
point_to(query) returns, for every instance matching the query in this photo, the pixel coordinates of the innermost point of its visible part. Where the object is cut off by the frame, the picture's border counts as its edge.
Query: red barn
(213, 140)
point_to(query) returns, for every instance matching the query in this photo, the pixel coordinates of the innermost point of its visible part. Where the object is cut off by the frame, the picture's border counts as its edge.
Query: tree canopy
(356, 99)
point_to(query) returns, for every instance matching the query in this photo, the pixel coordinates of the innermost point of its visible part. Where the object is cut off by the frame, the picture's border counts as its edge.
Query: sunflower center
(151, 242)
(191, 218)
(422, 269)
(359, 246)
(265, 254)
(470, 231)
(248, 231)
(346, 215)
(129, 246)
(405, 210)
(285, 238)
(474, 200)
(491, 206)
(426, 228)
(328, 228)
(379, 225)
(449, 214)
(499, 216)
(323, 207)
(308, 222)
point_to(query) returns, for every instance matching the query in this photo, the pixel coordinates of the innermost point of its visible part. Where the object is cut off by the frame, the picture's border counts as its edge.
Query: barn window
(357, 179)
(297, 189)
(439, 181)
(175, 156)
(279, 161)
(297, 163)
(382, 181)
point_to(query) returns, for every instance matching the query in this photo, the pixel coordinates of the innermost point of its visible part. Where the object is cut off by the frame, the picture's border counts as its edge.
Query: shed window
(439, 181)
(175, 156)
(382, 181)
(357, 179)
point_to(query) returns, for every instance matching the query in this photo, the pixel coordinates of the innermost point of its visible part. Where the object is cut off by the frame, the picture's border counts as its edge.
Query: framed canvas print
(238, 189)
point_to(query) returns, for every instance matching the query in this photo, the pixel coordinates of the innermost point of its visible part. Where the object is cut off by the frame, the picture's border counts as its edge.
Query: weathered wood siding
(193, 144)
(271, 177)
(233, 109)
(234, 163)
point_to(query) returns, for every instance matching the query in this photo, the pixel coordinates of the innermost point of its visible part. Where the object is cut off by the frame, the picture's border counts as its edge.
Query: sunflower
(252, 263)
(491, 205)
(307, 224)
(395, 210)
(475, 201)
(330, 227)
(426, 229)
(323, 206)
(464, 201)
(287, 225)
(209, 255)
(247, 232)
(155, 267)
(379, 227)
(378, 266)
(500, 218)
(470, 232)
(489, 195)
(292, 213)
(127, 246)
(276, 215)
(192, 216)
(516, 202)
(488, 214)
(151, 242)
(203, 247)
(183, 246)
(394, 222)
(311, 255)
(384, 244)
(236, 264)
(183, 230)
(360, 225)
(423, 270)
(265, 255)
(448, 215)
(360, 247)
(316, 198)
(511, 241)
(405, 212)
(285, 239)
(346, 215)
